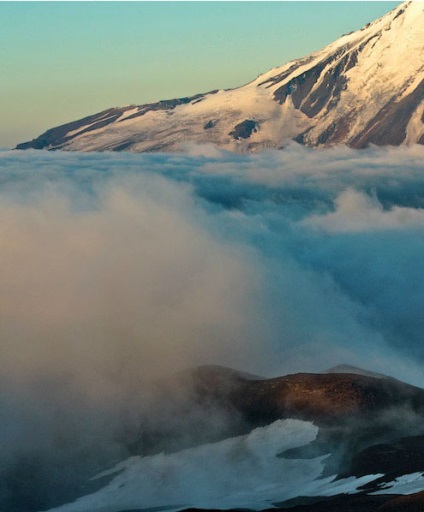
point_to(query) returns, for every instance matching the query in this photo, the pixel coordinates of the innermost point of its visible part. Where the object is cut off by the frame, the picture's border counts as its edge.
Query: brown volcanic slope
(358, 419)
(370, 424)
(367, 422)
(326, 399)
(355, 413)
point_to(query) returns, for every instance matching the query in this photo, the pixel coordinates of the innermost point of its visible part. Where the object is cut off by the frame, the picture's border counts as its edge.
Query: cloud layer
(137, 261)
(118, 268)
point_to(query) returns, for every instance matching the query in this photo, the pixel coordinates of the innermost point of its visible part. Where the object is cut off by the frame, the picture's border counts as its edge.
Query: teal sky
(63, 60)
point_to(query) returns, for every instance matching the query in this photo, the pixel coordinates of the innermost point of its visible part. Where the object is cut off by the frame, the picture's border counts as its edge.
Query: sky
(61, 61)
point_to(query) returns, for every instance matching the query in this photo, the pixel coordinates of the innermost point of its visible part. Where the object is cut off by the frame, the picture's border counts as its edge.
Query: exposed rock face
(365, 88)
(244, 130)
(326, 399)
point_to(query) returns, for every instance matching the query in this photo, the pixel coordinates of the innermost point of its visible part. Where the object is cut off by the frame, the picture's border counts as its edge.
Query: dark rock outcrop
(326, 399)
(244, 129)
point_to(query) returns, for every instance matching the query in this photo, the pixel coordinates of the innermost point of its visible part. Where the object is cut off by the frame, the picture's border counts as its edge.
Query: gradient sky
(64, 60)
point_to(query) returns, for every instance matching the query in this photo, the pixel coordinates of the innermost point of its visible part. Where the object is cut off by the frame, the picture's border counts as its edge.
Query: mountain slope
(353, 434)
(366, 87)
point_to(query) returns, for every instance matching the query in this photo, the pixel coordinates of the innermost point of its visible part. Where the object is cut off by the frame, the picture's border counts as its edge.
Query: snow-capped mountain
(366, 87)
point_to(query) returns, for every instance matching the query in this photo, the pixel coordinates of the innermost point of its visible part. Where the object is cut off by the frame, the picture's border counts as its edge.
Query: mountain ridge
(367, 439)
(367, 87)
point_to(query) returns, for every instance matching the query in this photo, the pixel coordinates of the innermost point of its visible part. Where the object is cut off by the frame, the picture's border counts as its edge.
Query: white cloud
(118, 266)
(356, 211)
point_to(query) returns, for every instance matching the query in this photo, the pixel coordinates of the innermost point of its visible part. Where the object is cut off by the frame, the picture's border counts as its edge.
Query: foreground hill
(214, 438)
(366, 87)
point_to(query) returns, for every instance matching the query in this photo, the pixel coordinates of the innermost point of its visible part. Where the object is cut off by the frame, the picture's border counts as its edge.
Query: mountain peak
(365, 87)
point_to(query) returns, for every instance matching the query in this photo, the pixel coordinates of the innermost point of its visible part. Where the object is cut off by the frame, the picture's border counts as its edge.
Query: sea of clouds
(116, 269)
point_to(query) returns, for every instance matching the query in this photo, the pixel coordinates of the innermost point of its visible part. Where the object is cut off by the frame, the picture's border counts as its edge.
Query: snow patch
(241, 472)
(405, 484)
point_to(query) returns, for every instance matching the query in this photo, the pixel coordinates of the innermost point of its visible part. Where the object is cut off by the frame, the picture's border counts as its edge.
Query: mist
(120, 270)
